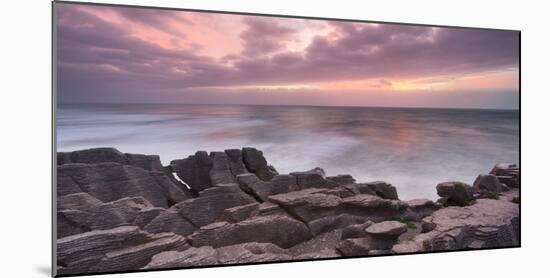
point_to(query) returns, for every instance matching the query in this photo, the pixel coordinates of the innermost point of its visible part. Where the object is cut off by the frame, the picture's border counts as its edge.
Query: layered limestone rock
(118, 212)
(122, 248)
(486, 223)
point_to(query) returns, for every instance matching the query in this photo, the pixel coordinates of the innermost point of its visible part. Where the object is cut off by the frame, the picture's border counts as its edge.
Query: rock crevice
(118, 211)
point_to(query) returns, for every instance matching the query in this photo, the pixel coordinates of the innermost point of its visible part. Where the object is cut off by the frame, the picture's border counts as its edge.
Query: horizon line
(295, 105)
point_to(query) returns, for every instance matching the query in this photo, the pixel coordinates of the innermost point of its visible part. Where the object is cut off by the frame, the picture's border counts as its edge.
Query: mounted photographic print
(190, 138)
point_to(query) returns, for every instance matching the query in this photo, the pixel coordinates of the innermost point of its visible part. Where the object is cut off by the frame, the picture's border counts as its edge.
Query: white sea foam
(413, 149)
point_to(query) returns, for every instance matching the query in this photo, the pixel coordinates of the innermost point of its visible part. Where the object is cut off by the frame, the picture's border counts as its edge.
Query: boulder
(194, 170)
(81, 253)
(373, 207)
(69, 222)
(236, 163)
(117, 213)
(314, 178)
(455, 193)
(331, 223)
(505, 169)
(420, 208)
(362, 188)
(79, 201)
(487, 223)
(507, 173)
(211, 203)
(353, 247)
(146, 215)
(220, 173)
(261, 190)
(240, 213)
(269, 208)
(387, 228)
(256, 163)
(112, 181)
(379, 236)
(101, 155)
(170, 220)
(356, 230)
(136, 257)
(277, 229)
(102, 216)
(342, 179)
(308, 204)
(383, 190)
(205, 255)
(487, 183)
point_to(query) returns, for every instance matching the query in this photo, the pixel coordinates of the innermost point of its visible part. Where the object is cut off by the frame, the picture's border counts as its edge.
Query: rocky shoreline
(121, 212)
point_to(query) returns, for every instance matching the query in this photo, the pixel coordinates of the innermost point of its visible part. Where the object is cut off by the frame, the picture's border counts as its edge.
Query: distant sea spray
(412, 148)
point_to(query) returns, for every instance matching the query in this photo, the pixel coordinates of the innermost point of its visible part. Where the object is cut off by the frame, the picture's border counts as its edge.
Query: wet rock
(314, 178)
(194, 170)
(487, 183)
(277, 229)
(211, 202)
(256, 163)
(112, 181)
(205, 255)
(455, 193)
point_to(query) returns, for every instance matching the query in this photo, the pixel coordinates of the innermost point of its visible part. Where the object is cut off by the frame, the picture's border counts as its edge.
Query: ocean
(411, 148)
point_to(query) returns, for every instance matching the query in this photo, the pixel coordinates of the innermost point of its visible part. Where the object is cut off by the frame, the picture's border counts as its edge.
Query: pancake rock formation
(118, 211)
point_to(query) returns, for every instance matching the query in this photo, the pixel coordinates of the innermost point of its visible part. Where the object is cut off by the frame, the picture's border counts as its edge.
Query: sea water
(411, 148)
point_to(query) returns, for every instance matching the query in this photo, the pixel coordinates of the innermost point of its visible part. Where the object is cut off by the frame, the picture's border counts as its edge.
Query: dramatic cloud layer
(118, 54)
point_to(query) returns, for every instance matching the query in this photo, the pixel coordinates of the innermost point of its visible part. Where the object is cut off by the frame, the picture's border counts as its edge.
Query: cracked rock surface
(118, 211)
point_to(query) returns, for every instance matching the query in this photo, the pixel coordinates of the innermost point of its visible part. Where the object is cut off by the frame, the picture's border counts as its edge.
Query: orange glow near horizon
(169, 53)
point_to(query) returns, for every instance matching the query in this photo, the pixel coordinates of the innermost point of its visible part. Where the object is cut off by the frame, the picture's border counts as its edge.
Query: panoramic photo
(189, 138)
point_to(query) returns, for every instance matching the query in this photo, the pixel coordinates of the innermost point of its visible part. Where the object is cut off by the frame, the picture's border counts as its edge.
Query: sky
(112, 54)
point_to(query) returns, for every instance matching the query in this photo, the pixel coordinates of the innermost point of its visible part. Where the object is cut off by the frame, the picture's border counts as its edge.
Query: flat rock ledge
(119, 211)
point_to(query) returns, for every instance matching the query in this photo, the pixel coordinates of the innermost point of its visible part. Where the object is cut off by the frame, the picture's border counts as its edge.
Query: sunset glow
(122, 54)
